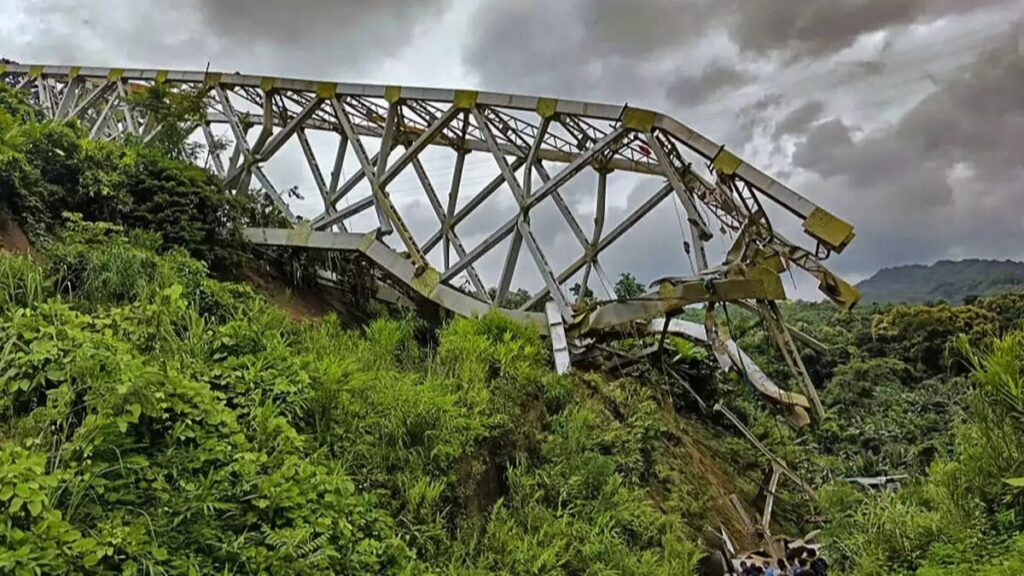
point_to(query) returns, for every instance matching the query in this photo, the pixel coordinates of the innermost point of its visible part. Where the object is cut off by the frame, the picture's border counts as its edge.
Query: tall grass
(21, 282)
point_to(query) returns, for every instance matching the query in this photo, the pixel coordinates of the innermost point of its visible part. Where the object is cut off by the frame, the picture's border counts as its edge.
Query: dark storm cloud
(641, 29)
(976, 118)
(548, 48)
(799, 119)
(691, 90)
(936, 181)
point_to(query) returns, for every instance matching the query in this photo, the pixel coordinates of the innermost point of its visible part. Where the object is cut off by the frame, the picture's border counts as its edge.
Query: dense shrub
(50, 169)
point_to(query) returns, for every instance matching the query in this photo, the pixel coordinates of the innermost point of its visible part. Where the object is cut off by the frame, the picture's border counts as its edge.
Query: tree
(515, 299)
(628, 287)
(577, 288)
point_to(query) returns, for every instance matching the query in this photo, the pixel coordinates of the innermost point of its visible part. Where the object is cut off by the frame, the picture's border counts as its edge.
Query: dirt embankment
(12, 237)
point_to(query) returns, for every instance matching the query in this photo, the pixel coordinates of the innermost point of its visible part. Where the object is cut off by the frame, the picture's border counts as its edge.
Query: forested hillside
(957, 281)
(160, 416)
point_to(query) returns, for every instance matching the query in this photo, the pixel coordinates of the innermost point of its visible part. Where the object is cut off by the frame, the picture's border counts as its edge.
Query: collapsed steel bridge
(539, 147)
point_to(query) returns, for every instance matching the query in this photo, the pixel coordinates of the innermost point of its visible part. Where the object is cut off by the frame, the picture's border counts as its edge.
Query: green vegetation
(932, 391)
(48, 170)
(156, 419)
(965, 515)
(960, 281)
(627, 287)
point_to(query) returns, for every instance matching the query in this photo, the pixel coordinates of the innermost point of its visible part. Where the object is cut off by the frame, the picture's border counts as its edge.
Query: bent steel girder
(538, 149)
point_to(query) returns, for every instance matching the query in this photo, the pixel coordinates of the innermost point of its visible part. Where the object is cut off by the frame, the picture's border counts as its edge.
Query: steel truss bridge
(539, 148)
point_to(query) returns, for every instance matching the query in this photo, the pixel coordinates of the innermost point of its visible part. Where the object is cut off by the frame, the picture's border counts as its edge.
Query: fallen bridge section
(399, 269)
(403, 273)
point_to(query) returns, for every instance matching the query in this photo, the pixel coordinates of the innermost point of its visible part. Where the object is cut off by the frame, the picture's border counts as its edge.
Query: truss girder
(538, 146)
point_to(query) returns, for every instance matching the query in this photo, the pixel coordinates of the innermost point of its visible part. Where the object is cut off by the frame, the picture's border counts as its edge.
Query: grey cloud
(751, 119)
(314, 33)
(819, 28)
(869, 67)
(643, 29)
(115, 33)
(557, 48)
(799, 119)
(692, 90)
(823, 145)
(943, 180)
(303, 37)
(575, 45)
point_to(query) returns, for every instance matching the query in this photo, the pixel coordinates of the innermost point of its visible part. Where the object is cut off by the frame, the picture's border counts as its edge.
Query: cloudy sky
(905, 117)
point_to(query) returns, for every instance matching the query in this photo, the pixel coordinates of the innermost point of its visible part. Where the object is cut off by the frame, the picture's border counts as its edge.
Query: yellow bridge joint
(726, 162)
(326, 90)
(392, 94)
(831, 231)
(546, 107)
(465, 99)
(638, 119)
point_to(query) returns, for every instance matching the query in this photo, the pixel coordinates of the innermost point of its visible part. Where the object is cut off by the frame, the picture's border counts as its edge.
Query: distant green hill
(948, 280)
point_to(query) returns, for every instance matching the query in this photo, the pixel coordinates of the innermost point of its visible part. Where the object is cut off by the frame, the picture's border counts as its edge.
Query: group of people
(805, 565)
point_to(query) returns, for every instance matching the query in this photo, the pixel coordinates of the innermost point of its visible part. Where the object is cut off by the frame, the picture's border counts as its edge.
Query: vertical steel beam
(211, 147)
(126, 108)
(69, 97)
(314, 168)
(790, 353)
(453, 192)
(512, 257)
(387, 210)
(339, 164)
(599, 213)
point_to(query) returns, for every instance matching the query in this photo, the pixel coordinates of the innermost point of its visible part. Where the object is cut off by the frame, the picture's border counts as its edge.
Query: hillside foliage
(158, 421)
(958, 282)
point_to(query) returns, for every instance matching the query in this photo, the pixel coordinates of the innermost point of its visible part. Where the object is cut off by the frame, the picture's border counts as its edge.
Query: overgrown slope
(157, 420)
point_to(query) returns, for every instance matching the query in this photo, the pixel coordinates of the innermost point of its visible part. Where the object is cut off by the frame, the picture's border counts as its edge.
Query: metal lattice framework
(539, 147)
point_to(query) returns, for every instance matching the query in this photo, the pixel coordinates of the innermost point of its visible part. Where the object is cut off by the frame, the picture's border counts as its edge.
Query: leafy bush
(49, 169)
(921, 335)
